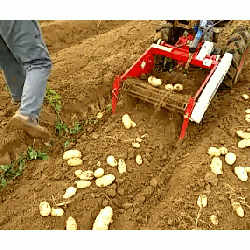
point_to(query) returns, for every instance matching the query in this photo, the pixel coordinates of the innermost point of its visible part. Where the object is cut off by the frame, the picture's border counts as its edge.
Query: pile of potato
(102, 180)
(246, 139)
(46, 210)
(127, 122)
(73, 157)
(216, 167)
(156, 82)
(230, 158)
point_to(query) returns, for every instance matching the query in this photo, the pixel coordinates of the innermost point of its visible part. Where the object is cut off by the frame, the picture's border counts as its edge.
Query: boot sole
(32, 130)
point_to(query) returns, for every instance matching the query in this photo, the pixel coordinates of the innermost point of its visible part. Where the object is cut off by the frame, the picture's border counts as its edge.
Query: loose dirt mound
(159, 194)
(61, 34)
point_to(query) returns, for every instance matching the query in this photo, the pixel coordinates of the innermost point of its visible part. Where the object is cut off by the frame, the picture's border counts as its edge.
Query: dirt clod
(153, 183)
(140, 198)
(127, 205)
(211, 178)
(111, 192)
(105, 203)
(95, 136)
(120, 191)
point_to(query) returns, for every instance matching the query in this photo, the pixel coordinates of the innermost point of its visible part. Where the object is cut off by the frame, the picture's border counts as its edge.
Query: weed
(78, 126)
(67, 142)
(54, 99)
(32, 154)
(108, 107)
(10, 172)
(61, 128)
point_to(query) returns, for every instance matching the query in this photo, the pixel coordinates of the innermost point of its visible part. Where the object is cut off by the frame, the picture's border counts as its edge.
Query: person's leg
(24, 39)
(14, 73)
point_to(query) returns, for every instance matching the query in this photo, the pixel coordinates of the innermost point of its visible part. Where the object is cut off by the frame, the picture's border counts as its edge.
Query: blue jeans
(26, 63)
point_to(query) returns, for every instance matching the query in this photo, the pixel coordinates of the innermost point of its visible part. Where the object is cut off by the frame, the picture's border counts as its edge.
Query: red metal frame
(145, 64)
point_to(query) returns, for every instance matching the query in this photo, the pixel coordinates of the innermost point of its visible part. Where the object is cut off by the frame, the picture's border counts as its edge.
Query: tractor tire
(164, 32)
(236, 45)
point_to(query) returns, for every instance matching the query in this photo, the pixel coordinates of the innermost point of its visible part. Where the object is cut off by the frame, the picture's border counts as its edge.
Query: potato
(56, 212)
(213, 151)
(216, 166)
(244, 143)
(99, 115)
(111, 161)
(214, 219)
(127, 122)
(169, 87)
(121, 166)
(71, 154)
(241, 173)
(71, 224)
(74, 162)
(202, 200)
(136, 144)
(178, 87)
(105, 180)
(230, 158)
(99, 172)
(247, 111)
(83, 184)
(87, 175)
(103, 219)
(138, 139)
(245, 96)
(133, 124)
(138, 159)
(78, 172)
(237, 208)
(247, 169)
(70, 192)
(223, 150)
(44, 208)
(247, 116)
(156, 82)
(247, 119)
(151, 79)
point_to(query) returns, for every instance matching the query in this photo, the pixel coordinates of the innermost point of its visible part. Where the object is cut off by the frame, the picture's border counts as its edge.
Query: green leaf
(53, 92)
(33, 155)
(109, 107)
(57, 97)
(42, 156)
(4, 167)
(57, 107)
(18, 173)
(3, 183)
(12, 171)
(66, 144)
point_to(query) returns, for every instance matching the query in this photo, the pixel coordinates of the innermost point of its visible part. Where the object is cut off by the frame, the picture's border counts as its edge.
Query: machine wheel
(236, 45)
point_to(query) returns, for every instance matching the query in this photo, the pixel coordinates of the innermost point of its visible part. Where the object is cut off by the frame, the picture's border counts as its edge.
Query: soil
(162, 192)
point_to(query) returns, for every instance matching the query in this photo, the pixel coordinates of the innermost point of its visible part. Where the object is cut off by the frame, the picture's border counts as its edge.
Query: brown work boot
(29, 125)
